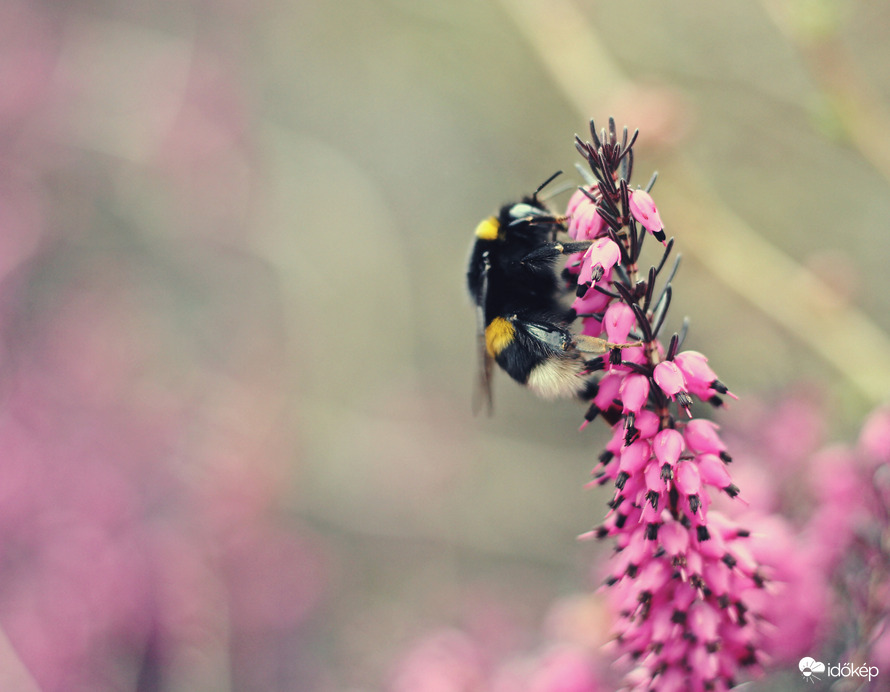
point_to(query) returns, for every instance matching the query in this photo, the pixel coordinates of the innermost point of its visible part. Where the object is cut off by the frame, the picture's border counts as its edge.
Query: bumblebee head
(494, 227)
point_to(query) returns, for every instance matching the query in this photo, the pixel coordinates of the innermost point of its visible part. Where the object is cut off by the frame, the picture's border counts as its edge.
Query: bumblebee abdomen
(518, 361)
(552, 375)
(558, 377)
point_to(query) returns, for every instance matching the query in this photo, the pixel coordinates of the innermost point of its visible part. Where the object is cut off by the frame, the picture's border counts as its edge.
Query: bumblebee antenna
(546, 183)
(558, 190)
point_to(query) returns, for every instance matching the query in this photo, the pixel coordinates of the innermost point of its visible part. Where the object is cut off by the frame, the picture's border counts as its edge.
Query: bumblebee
(521, 322)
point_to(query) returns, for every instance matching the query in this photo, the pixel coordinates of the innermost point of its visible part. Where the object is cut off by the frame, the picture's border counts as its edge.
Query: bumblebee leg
(551, 251)
(592, 344)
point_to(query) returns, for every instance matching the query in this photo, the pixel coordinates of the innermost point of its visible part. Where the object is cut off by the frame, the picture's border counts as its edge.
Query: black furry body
(523, 325)
(515, 283)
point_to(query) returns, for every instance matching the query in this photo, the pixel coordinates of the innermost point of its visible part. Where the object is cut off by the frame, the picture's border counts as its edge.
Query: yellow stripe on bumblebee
(488, 229)
(498, 335)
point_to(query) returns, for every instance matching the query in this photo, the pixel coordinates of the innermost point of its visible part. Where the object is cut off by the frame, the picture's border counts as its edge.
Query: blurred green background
(252, 219)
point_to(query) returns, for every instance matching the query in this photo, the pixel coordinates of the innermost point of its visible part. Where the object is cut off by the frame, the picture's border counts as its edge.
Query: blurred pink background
(236, 447)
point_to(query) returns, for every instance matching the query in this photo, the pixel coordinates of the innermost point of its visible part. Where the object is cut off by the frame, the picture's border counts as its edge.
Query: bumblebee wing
(482, 393)
(549, 335)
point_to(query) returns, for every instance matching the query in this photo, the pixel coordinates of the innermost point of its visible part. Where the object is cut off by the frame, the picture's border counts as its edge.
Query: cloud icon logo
(809, 667)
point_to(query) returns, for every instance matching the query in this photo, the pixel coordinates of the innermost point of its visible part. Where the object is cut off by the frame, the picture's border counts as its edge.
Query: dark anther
(594, 365)
(750, 658)
(652, 499)
(718, 386)
(631, 435)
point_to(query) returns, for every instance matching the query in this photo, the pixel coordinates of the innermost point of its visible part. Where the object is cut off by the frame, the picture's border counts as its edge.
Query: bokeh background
(236, 442)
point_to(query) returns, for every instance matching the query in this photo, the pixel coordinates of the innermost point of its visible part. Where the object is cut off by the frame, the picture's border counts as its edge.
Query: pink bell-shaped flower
(700, 379)
(599, 258)
(670, 378)
(643, 209)
(585, 223)
(619, 320)
(634, 392)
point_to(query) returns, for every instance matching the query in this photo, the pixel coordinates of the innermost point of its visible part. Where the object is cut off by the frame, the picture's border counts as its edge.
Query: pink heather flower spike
(643, 209)
(685, 588)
